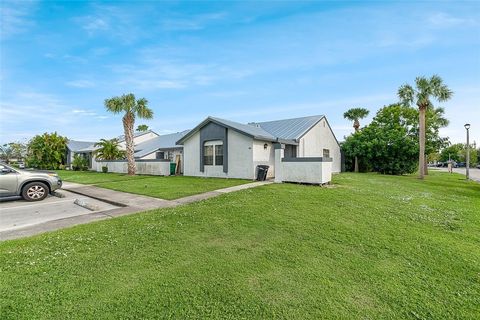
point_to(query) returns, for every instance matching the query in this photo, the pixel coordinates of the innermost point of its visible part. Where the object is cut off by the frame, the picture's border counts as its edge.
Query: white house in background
(86, 149)
(223, 148)
(161, 147)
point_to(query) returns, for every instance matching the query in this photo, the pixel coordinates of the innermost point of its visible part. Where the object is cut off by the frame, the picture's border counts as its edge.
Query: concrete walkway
(128, 203)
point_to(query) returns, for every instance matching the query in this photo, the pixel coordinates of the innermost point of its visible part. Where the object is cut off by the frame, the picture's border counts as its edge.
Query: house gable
(214, 131)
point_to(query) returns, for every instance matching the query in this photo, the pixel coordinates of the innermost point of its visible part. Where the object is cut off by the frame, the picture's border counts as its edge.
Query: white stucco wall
(262, 156)
(318, 138)
(307, 172)
(240, 158)
(151, 167)
(176, 151)
(138, 140)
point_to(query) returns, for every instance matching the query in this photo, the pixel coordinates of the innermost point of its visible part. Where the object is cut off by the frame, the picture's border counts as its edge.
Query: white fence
(158, 167)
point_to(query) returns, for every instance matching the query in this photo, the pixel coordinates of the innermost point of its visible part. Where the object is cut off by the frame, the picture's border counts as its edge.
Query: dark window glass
(219, 155)
(290, 151)
(160, 155)
(208, 155)
(326, 153)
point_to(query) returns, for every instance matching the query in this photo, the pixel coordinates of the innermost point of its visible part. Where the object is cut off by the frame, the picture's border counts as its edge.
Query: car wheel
(35, 191)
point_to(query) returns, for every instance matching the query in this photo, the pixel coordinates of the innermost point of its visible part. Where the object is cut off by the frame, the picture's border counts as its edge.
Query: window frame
(213, 146)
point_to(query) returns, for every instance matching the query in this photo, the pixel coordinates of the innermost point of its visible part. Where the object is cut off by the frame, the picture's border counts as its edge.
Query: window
(219, 155)
(208, 155)
(160, 155)
(326, 153)
(213, 153)
(290, 151)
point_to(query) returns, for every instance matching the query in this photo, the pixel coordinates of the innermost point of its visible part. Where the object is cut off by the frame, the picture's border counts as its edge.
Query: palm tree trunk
(356, 126)
(421, 154)
(128, 121)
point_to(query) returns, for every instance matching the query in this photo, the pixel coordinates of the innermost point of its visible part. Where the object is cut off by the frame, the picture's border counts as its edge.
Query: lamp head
(467, 126)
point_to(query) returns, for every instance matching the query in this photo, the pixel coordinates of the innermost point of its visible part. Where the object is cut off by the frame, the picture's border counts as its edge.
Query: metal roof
(76, 146)
(289, 129)
(253, 131)
(286, 131)
(167, 141)
(135, 134)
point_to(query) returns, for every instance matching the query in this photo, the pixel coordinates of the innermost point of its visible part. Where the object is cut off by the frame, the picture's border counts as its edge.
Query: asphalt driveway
(18, 214)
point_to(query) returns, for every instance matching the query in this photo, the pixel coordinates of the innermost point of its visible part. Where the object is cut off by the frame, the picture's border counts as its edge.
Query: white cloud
(80, 83)
(16, 17)
(445, 20)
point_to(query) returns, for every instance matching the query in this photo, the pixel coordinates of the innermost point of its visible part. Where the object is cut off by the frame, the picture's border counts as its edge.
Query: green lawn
(371, 247)
(168, 188)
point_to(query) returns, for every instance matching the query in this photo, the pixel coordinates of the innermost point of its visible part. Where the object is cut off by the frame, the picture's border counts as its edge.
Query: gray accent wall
(214, 131)
(307, 159)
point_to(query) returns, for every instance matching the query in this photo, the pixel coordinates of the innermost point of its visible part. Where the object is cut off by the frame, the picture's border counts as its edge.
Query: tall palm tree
(109, 150)
(425, 89)
(132, 108)
(355, 114)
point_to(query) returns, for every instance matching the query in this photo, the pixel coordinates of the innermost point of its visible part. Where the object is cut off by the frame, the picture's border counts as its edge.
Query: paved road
(474, 173)
(19, 214)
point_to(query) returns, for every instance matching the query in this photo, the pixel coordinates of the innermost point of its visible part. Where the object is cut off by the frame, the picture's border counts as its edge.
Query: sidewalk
(128, 203)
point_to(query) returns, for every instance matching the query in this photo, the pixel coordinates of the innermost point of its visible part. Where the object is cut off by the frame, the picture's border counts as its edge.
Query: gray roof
(285, 131)
(78, 146)
(167, 141)
(289, 129)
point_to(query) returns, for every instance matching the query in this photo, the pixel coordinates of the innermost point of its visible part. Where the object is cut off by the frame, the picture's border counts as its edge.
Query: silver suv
(31, 185)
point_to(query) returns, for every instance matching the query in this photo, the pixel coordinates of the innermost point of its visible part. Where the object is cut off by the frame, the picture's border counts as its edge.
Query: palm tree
(142, 128)
(421, 95)
(109, 150)
(132, 108)
(355, 114)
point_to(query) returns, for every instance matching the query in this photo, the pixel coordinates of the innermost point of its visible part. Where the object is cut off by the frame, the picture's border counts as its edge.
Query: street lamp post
(467, 126)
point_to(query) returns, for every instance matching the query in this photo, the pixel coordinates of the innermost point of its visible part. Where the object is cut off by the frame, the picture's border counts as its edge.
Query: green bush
(79, 163)
(104, 169)
(386, 145)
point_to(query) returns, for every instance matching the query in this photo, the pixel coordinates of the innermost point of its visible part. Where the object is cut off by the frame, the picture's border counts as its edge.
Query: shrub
(104, 169)
(79, 163)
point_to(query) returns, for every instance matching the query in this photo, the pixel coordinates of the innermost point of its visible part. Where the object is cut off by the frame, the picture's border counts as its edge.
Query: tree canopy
(47, 151)
(109, 150)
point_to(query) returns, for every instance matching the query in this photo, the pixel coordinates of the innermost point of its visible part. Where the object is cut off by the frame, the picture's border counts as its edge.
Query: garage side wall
(318, 138)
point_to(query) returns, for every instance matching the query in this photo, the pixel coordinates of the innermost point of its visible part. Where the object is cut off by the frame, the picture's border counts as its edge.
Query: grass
(169, 188)
(371, 247)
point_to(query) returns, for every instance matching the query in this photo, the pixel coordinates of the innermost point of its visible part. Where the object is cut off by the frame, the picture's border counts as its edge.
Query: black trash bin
(262, 172)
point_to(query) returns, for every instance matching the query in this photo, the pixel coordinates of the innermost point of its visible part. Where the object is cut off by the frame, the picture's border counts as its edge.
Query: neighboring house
(87, 149)
(223, 148)
(161, 147)
(83, 148)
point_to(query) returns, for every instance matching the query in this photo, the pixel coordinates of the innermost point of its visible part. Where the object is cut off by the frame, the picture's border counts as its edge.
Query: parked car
(461, 165)
(21, 164)
(31, 185)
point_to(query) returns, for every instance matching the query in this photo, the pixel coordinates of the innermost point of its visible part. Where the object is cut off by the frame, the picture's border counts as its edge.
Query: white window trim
(214, 143)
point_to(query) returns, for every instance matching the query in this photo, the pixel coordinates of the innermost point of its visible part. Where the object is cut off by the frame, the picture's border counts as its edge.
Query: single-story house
(162, 147)
(86, 149)
(223, 148)
(83, 148)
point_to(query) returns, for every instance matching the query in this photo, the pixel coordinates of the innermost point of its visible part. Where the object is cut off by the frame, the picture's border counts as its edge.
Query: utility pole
(467, 126)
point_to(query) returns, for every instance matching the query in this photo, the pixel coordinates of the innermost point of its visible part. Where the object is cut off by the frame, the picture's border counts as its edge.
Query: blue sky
(244, 61)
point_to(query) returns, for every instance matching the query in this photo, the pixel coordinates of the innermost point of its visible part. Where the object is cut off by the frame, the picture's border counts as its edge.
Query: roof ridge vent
(254, 124)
